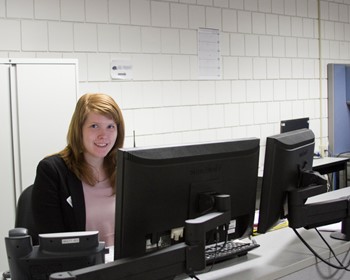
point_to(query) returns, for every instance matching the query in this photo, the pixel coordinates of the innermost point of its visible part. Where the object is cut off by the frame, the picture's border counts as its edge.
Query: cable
(315, 253)
(331, 250)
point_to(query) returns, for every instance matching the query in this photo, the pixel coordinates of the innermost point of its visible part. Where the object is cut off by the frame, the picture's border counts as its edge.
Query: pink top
(100, 210)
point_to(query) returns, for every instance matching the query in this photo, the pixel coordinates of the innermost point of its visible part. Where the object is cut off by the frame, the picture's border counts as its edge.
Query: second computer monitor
(287, 155)
(159, 188)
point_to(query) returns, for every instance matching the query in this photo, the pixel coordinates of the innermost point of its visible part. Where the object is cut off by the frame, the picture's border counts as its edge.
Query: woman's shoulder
(54, 160)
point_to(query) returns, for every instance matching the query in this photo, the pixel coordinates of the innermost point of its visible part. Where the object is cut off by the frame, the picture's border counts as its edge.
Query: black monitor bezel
(195, 151)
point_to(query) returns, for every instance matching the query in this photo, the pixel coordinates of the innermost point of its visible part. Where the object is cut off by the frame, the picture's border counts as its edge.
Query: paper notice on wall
(121, 69)
(209, 54)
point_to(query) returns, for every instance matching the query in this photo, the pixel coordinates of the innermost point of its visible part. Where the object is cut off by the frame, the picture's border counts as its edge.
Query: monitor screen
(158, 189)
(294, 124)
(286, 155)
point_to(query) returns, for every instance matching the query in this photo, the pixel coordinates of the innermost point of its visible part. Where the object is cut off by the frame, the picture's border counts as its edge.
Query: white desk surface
(280, 253)
(316, 162)
(327, 160)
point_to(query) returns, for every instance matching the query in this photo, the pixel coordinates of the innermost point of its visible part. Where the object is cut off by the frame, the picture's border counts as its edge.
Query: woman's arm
(48, 193)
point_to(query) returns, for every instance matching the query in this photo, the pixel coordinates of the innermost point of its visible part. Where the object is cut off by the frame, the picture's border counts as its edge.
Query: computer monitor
(159, 188)
(286, 155)
(294, 124)
(288, 181)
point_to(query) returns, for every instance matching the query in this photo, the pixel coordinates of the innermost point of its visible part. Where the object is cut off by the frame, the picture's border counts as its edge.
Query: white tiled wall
(273, 58)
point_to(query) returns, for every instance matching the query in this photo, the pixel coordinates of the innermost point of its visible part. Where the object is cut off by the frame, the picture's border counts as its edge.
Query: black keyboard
(226, 250)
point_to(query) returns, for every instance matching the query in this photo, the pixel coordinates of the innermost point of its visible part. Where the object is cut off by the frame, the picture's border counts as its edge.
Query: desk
(282, 255)
(328, 165)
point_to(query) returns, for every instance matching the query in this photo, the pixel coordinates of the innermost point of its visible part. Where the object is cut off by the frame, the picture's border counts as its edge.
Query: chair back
(24, 214)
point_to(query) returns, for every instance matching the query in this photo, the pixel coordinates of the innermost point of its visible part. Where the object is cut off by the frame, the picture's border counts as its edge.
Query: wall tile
(189, 93)
(170, 40)
(302, 8)
(161, 67)
(47, 9)
(20, 9)
(236, 4)
(160, 14)
(119, 11)
(34, 35)
(206, 92)
(246, 113)
(152, 94)
(284, 25)
(108, 38)
(290, 7)
(96, 10)
(60, 36)
(140, 11)
(245, 66)
(142, 66)
(244, 22)
(216, 116)
(278, 46)
(259, 68)
(73, 10)
(260, 113)
(179, 15)
(291, 47)
(196, 16)
(188, 42)
(253, 91)
(266, 90)
(180, 67)
(222, 92)
(150, 40)
(251, 5)
(171, 93)
(221, 3)
(259, 23)
(265, 6)
(272, 24)
(199, 117)
(308, 28)
(213, 18)
(285, 68)
(99, 67)
(272, 68)
(181, 118)
(85, 37)
(130, 38)
(252, 45)
(277, 6)
(237, 44)
(238, 91)
(10, 29)
(231, 113)
(279, 90)
(265, 43)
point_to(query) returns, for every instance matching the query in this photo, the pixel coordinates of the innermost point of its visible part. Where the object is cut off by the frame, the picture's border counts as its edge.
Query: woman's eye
(111, 126)
(94, 125)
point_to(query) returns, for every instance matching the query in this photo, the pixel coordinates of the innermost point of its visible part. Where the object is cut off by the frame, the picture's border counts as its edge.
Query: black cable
(315, 253)
(333, 253)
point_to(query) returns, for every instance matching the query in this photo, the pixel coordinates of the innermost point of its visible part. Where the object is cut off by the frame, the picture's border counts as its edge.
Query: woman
(74, 190)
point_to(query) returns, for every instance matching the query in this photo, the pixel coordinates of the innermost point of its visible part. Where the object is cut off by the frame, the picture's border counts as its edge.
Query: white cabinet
(38, 97)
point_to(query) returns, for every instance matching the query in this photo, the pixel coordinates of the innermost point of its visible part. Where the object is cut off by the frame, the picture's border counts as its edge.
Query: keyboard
(227, 250)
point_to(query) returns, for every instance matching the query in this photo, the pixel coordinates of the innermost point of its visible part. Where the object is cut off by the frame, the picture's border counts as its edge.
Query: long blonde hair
(73, 155)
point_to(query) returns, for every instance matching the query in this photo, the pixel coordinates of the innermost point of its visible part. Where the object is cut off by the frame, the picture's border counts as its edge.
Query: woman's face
(99, 136)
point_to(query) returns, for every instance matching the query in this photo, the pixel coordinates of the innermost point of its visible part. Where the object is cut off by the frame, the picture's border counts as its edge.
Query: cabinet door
(46, 97)
(7, 197)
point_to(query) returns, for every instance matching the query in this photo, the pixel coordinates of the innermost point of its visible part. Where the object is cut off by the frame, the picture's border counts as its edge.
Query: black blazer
(58, 198)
